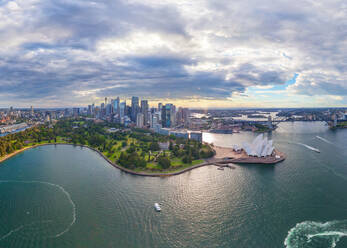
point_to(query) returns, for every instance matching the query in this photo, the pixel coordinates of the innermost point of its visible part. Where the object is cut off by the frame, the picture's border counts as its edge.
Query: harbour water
(66, 196)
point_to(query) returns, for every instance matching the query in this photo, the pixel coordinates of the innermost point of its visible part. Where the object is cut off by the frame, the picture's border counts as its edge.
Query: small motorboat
(157, 207)
(220, 168)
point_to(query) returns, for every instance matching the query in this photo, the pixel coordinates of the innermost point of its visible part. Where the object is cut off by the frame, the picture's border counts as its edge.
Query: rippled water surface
(65, 196)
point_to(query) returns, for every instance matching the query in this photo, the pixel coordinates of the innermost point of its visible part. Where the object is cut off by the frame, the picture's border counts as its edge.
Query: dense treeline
(185, 150)
(16, 141)
(69, 131)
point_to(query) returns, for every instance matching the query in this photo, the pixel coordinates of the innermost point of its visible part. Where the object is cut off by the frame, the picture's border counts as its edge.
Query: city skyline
(202, 54)
(173, 123)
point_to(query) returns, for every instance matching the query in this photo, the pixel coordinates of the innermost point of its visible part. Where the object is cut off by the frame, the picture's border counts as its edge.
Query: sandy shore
(2, 159)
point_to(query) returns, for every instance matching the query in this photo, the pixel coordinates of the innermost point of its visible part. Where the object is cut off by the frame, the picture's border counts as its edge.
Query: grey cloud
(53, 51)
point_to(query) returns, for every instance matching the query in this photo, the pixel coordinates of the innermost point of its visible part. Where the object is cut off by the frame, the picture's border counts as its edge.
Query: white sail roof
(260, 147)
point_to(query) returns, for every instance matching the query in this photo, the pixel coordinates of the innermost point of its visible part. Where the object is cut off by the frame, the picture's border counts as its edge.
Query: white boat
(157, 207)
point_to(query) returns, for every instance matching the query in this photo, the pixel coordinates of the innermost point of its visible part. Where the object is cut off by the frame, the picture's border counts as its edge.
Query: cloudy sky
(197, 53)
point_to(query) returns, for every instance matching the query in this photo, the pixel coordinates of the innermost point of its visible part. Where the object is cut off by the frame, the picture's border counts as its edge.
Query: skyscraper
(182, 116)
(108, 109)
(134, 107)
(76, 112)
(122, 107)
(144, 111)
(163, 116)
(153, 119)
(89, 111)
(115, 107)
(186, 115)
(168, 117)
(139, 120)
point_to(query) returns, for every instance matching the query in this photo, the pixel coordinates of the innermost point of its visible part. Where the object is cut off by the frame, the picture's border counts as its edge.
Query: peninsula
(135, 151)
(132, 150)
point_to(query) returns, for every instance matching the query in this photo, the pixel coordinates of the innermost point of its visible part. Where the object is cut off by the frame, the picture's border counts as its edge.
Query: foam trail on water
(68, 196)
(325, 140)
(11, 232)
(310, 234)
(309, 147)
(21, 227)
(332, 233)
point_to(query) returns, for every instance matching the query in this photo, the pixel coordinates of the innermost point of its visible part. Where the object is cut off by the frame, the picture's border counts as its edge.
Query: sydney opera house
(260, 151)
(260, 147)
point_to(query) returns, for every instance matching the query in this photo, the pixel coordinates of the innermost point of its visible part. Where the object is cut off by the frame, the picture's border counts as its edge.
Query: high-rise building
(108, 109)
(150, 119)
(163, 116)
(160, 106)
(168, 115)
(139, 120)
(89, 111)
(144, 111)
(122, 109)
(32, 111)
(134, 107)
(76, 112)
(182, 116)
(102, 109)
(173, 115)
(115, 106)
(67, 112)
(153, 119)
(186, 116)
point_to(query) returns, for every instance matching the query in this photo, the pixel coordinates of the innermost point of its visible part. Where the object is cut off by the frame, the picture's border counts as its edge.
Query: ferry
(157, 207)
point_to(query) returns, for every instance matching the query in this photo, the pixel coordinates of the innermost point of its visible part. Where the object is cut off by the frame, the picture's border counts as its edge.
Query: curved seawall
(112, 163)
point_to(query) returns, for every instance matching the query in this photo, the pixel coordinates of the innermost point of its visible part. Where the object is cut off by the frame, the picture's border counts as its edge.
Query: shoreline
(211, 161)
(8, 156)
(110, 162)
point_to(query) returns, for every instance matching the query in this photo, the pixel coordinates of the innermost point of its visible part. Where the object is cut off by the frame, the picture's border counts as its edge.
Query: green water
(65, 196)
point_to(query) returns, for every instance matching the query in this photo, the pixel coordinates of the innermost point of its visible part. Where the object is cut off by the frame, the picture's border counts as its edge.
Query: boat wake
(23, 226)
(325, 140)
(309, 147)
(310, 234)
(68, 196)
